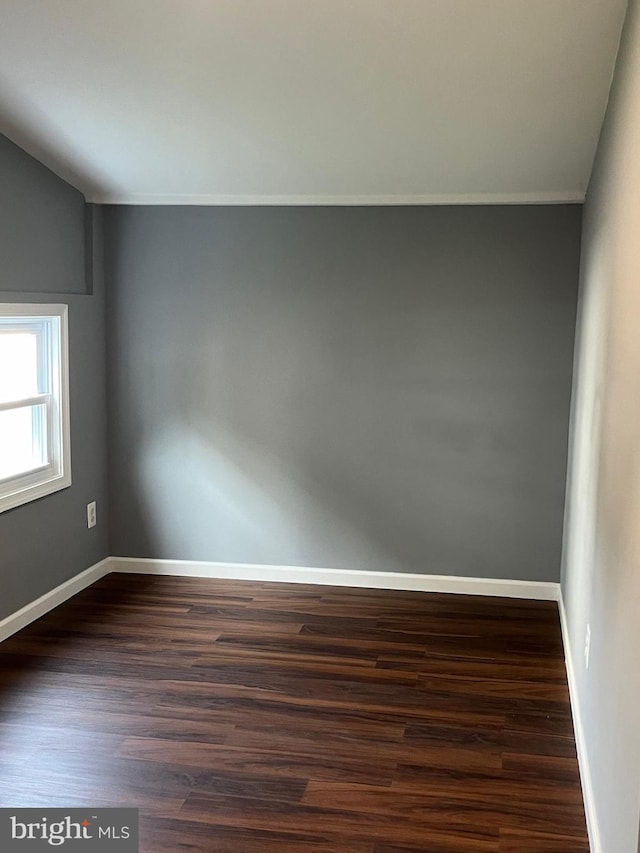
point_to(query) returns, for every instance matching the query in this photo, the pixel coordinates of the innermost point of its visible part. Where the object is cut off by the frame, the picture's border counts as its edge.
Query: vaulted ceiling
(310, 101)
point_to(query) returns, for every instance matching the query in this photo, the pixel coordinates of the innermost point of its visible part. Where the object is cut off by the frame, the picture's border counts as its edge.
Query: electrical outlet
(587, 646)
(91, 514)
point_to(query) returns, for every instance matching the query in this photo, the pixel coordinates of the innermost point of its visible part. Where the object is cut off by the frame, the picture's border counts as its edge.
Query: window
(35, 456)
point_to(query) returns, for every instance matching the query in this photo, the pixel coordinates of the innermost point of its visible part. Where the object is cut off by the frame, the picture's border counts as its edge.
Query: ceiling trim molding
(568, 197)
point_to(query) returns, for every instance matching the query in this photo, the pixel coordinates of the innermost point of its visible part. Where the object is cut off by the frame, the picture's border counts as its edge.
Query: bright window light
(35, 457)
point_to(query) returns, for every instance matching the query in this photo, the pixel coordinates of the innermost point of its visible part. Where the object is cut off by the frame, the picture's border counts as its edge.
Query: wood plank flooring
(271, 717)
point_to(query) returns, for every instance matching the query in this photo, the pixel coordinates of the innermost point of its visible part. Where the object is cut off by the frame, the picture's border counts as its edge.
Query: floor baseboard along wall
(542, 591)
(581, 745)
(539, 590)
(35, 609)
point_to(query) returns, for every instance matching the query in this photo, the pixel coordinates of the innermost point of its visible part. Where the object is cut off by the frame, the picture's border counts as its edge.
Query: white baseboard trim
(30, 612)
(581, 746)
(540, 590)
(545, 591)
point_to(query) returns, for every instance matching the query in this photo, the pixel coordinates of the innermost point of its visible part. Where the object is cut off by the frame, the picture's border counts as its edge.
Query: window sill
(32, 492)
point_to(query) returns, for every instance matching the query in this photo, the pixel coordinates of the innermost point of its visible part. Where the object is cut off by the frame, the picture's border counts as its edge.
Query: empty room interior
(320, 426)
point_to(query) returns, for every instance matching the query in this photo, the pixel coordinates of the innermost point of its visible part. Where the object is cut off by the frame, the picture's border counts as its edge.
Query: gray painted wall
(42, 259)
(601, 567)
(373, 388)
(42, 229)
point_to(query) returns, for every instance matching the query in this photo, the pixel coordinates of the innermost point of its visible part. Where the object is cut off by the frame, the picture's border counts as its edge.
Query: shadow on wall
(214, 491)
(222, 503)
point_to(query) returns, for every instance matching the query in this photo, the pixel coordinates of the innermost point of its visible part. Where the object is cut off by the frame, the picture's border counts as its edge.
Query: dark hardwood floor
(270, 717)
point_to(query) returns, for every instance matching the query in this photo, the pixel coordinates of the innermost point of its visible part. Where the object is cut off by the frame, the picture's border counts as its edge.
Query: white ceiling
(310, 101)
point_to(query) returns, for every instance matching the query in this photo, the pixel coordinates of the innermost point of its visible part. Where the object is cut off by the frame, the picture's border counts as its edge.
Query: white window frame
(52, 325)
